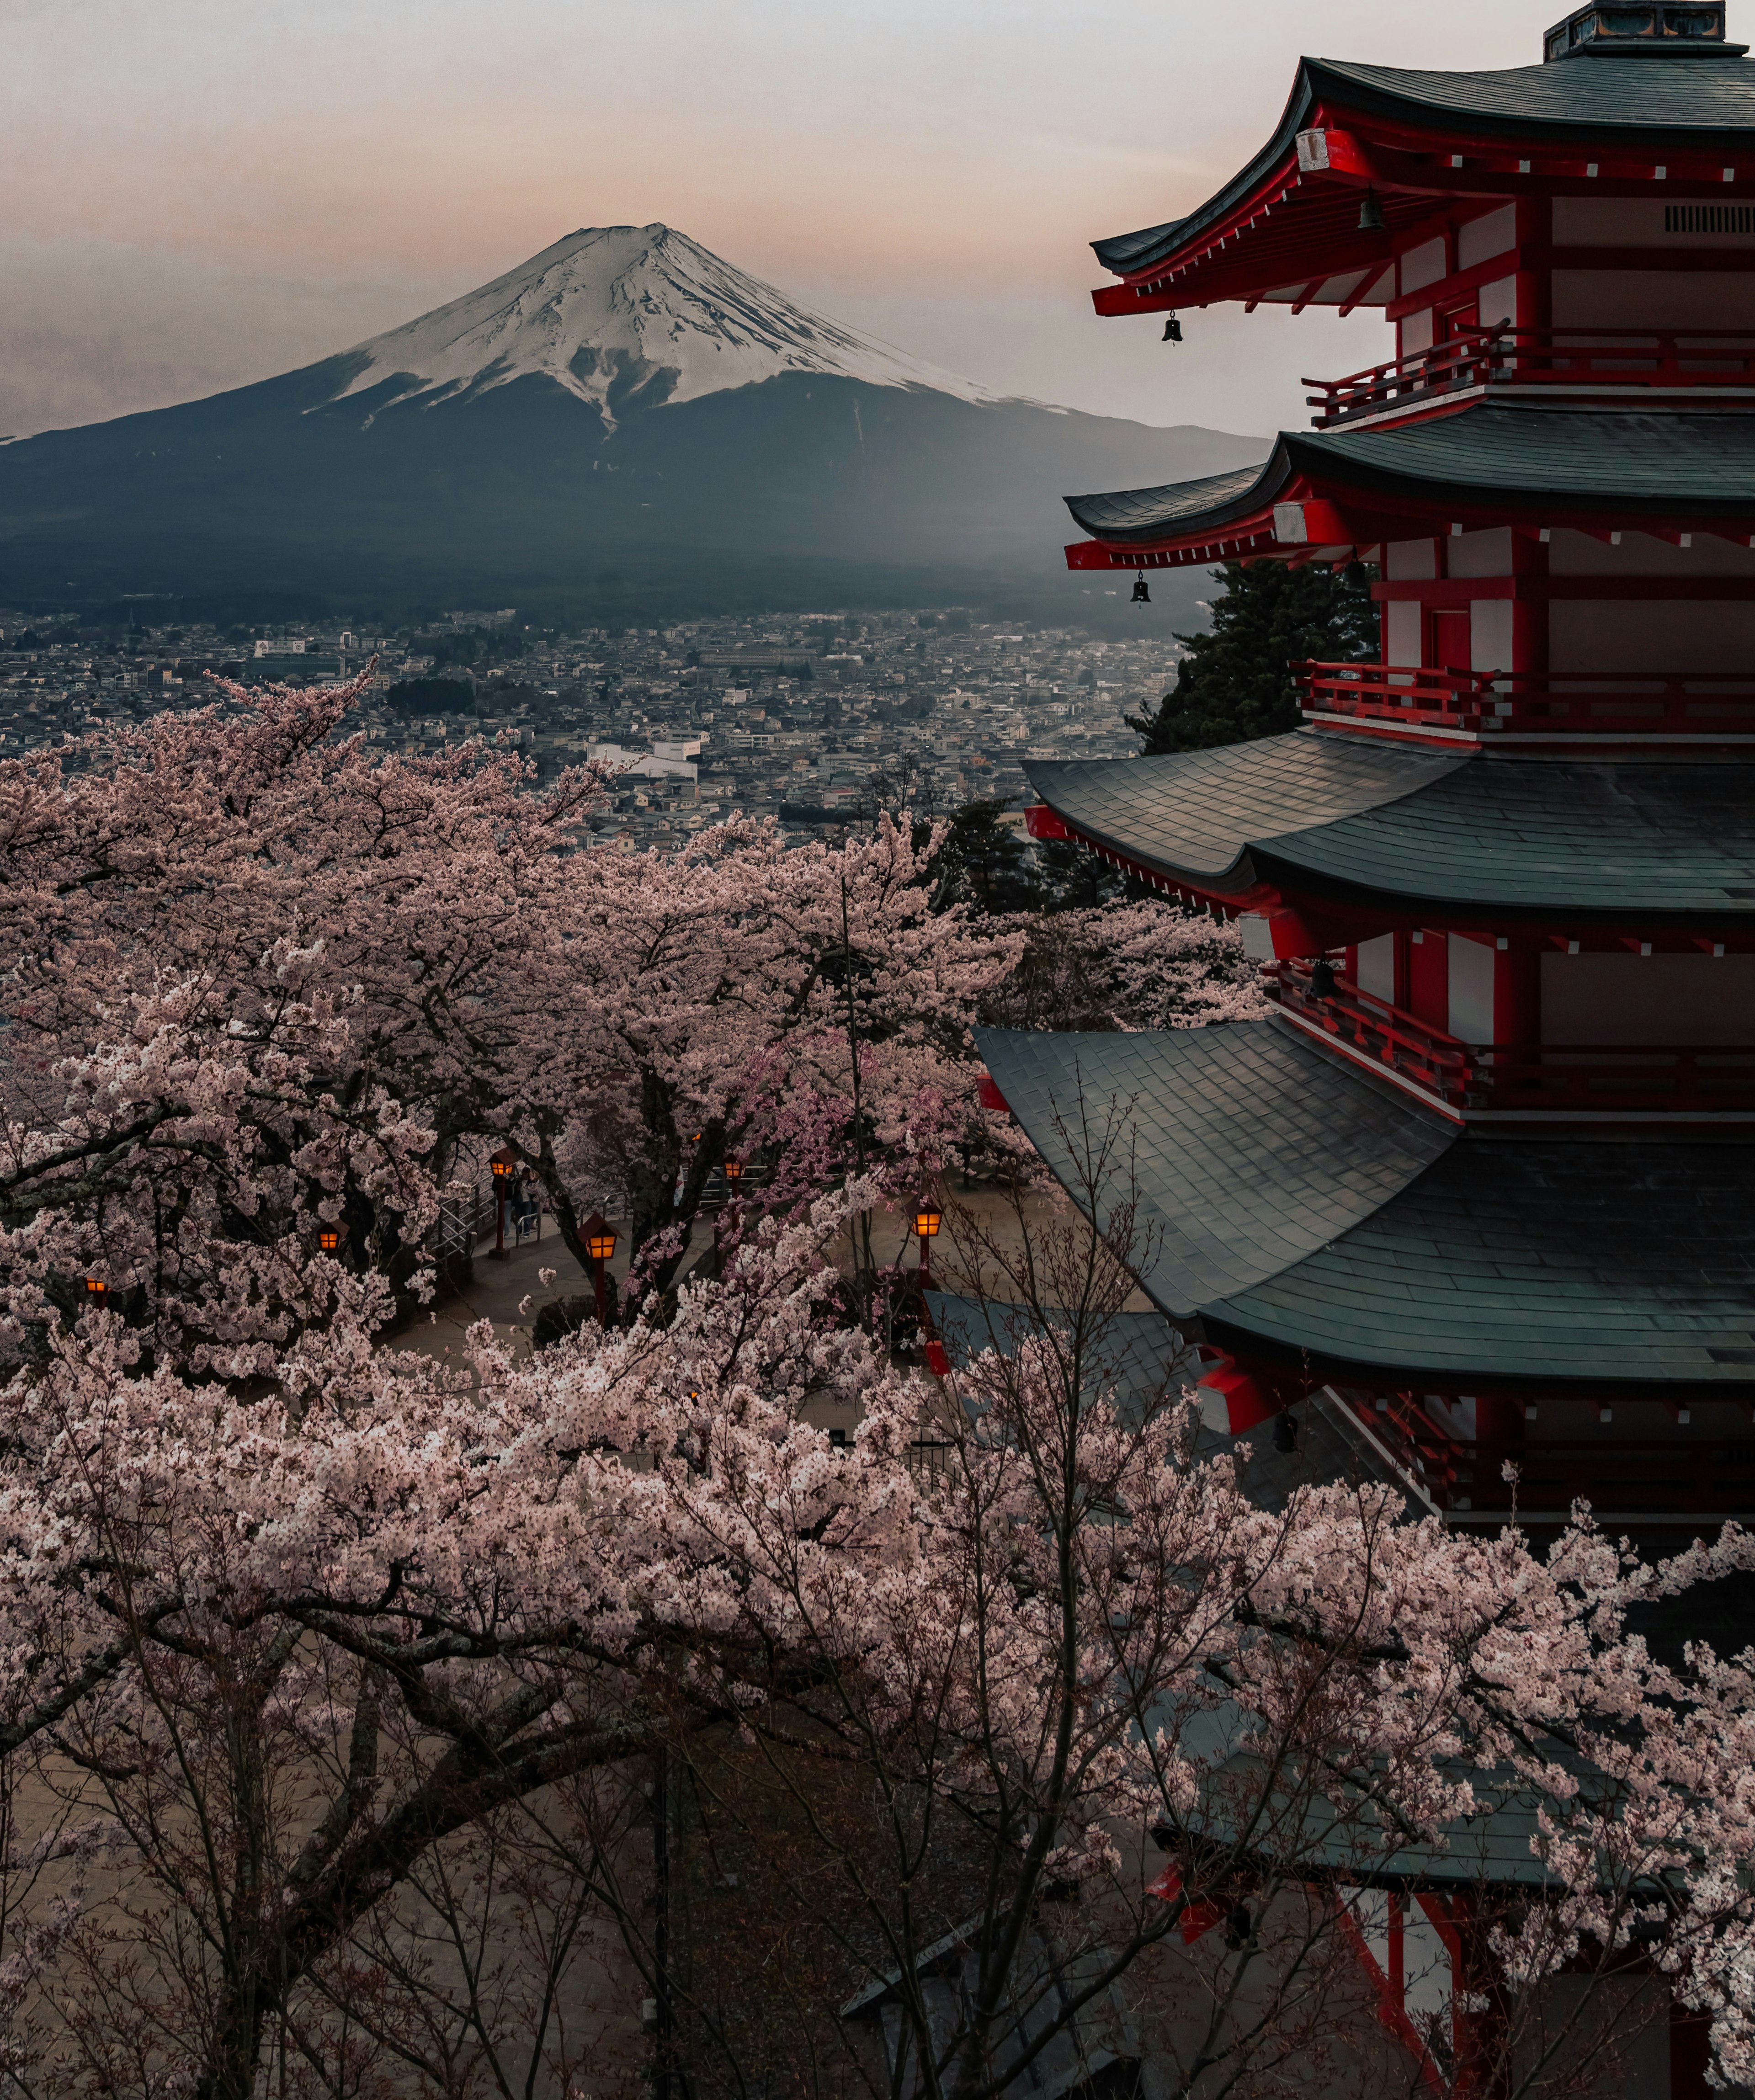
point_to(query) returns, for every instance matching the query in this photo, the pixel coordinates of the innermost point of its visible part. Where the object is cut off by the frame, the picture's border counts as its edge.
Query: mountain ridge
(606, 303)
(624, 403)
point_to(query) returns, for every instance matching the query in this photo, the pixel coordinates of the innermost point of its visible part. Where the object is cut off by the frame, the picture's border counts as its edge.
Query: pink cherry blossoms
(294, 1625)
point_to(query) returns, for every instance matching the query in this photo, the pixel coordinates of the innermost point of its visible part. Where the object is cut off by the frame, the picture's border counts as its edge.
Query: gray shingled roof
(1299, 1205)
(1198, 812)
(1153, 511)
(1231, 1195)
(1688, 94)
(1671, 461)
(1627, 840)
(1532, 456)
(1631, 1260)
(1700, 99)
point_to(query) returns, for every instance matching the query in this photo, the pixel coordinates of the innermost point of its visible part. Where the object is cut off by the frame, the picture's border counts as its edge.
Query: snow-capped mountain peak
(616, 312)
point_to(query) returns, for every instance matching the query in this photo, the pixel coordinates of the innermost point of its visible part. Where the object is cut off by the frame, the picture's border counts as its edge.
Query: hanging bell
(1173, 330)
(1371, 214)
(1141, 594)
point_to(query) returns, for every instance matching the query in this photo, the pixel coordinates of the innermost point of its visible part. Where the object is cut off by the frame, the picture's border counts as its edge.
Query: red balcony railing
(1531, 703)
(1594, 361)
(1701, 1467)
(1565, 1078)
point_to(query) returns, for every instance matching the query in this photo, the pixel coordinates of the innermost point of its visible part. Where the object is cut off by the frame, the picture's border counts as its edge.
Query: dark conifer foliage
(1235, 683)
(983, 862)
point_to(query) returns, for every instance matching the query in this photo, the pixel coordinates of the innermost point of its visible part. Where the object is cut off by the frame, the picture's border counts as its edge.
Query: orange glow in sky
(200, 194)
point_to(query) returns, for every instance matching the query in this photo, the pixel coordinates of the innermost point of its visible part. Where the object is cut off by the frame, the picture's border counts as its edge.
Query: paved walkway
(501, 1288)
(982, 1213)
(498, 1292)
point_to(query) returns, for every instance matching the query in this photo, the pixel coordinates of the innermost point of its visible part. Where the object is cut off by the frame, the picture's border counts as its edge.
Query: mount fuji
(625, 317)
(624, 418)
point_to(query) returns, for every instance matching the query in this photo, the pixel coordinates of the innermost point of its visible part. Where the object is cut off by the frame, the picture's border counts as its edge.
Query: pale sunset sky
(200, 193)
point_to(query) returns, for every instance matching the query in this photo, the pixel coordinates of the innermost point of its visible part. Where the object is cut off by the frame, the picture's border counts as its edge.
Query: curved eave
(1129, 255)
(1380, 834)
(1293, 1206)
(1361, 462)
(1482, 463)
(1272, 225)
(1216, 506)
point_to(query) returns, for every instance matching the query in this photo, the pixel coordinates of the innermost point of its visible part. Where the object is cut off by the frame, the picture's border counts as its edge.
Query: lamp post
(328, 1239)
(502, 1164)
(926, 1223)
(600, 1244)
(733, 1173)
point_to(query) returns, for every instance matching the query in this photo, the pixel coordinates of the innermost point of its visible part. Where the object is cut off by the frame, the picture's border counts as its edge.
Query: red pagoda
(1486, 1182)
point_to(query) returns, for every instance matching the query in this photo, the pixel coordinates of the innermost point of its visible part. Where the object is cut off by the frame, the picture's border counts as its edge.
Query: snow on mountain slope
(615, 310)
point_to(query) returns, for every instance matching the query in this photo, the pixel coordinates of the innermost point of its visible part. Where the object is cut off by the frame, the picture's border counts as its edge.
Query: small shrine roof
(1628, 840)
(1536, 459)
(1704, 98)
(1298, 1204)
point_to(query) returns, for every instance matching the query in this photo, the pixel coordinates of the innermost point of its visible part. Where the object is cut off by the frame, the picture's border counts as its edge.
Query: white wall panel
(1490, 635)
(1377, 968)
(1471, 990)
(1402, 629)
(1410, 561)
(1489, 234)
(1653, 299)
(1577, 554)
(1480, 553)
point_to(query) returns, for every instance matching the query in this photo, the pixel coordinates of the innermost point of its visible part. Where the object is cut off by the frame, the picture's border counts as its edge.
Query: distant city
(816, 720)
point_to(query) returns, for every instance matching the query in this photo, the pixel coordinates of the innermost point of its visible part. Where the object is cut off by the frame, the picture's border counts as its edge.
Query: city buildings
(815, 722)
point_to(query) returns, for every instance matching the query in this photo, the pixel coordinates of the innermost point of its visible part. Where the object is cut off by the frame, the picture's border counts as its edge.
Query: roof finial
(1647, 31)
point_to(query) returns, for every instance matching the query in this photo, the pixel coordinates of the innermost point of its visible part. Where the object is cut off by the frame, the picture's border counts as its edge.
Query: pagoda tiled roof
(1624, 841)
(1151, 511)
(1701, 100)
(1528, 458)
(1295, 1204)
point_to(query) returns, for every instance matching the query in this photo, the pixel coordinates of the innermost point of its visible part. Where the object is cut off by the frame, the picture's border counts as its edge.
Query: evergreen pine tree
(1235, 682)
(983, 862)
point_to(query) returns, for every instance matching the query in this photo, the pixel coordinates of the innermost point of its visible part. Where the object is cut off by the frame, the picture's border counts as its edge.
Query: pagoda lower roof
(1618, 841)
(1704, 99)
(1291, 1204)
(1534, 462)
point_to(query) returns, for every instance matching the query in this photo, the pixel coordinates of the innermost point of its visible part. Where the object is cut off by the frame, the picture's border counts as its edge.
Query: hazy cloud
(200, 194)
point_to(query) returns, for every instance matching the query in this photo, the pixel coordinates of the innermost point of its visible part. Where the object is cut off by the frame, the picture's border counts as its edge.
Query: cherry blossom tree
(1146, 964)
(271, 1660)
(272, 983)
(810, 1004)
(304, 1638)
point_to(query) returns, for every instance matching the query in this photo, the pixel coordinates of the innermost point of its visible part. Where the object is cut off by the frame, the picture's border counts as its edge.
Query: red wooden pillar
(1429, 978)
(1529, 604)
(1517, 992)
(1535, 224)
